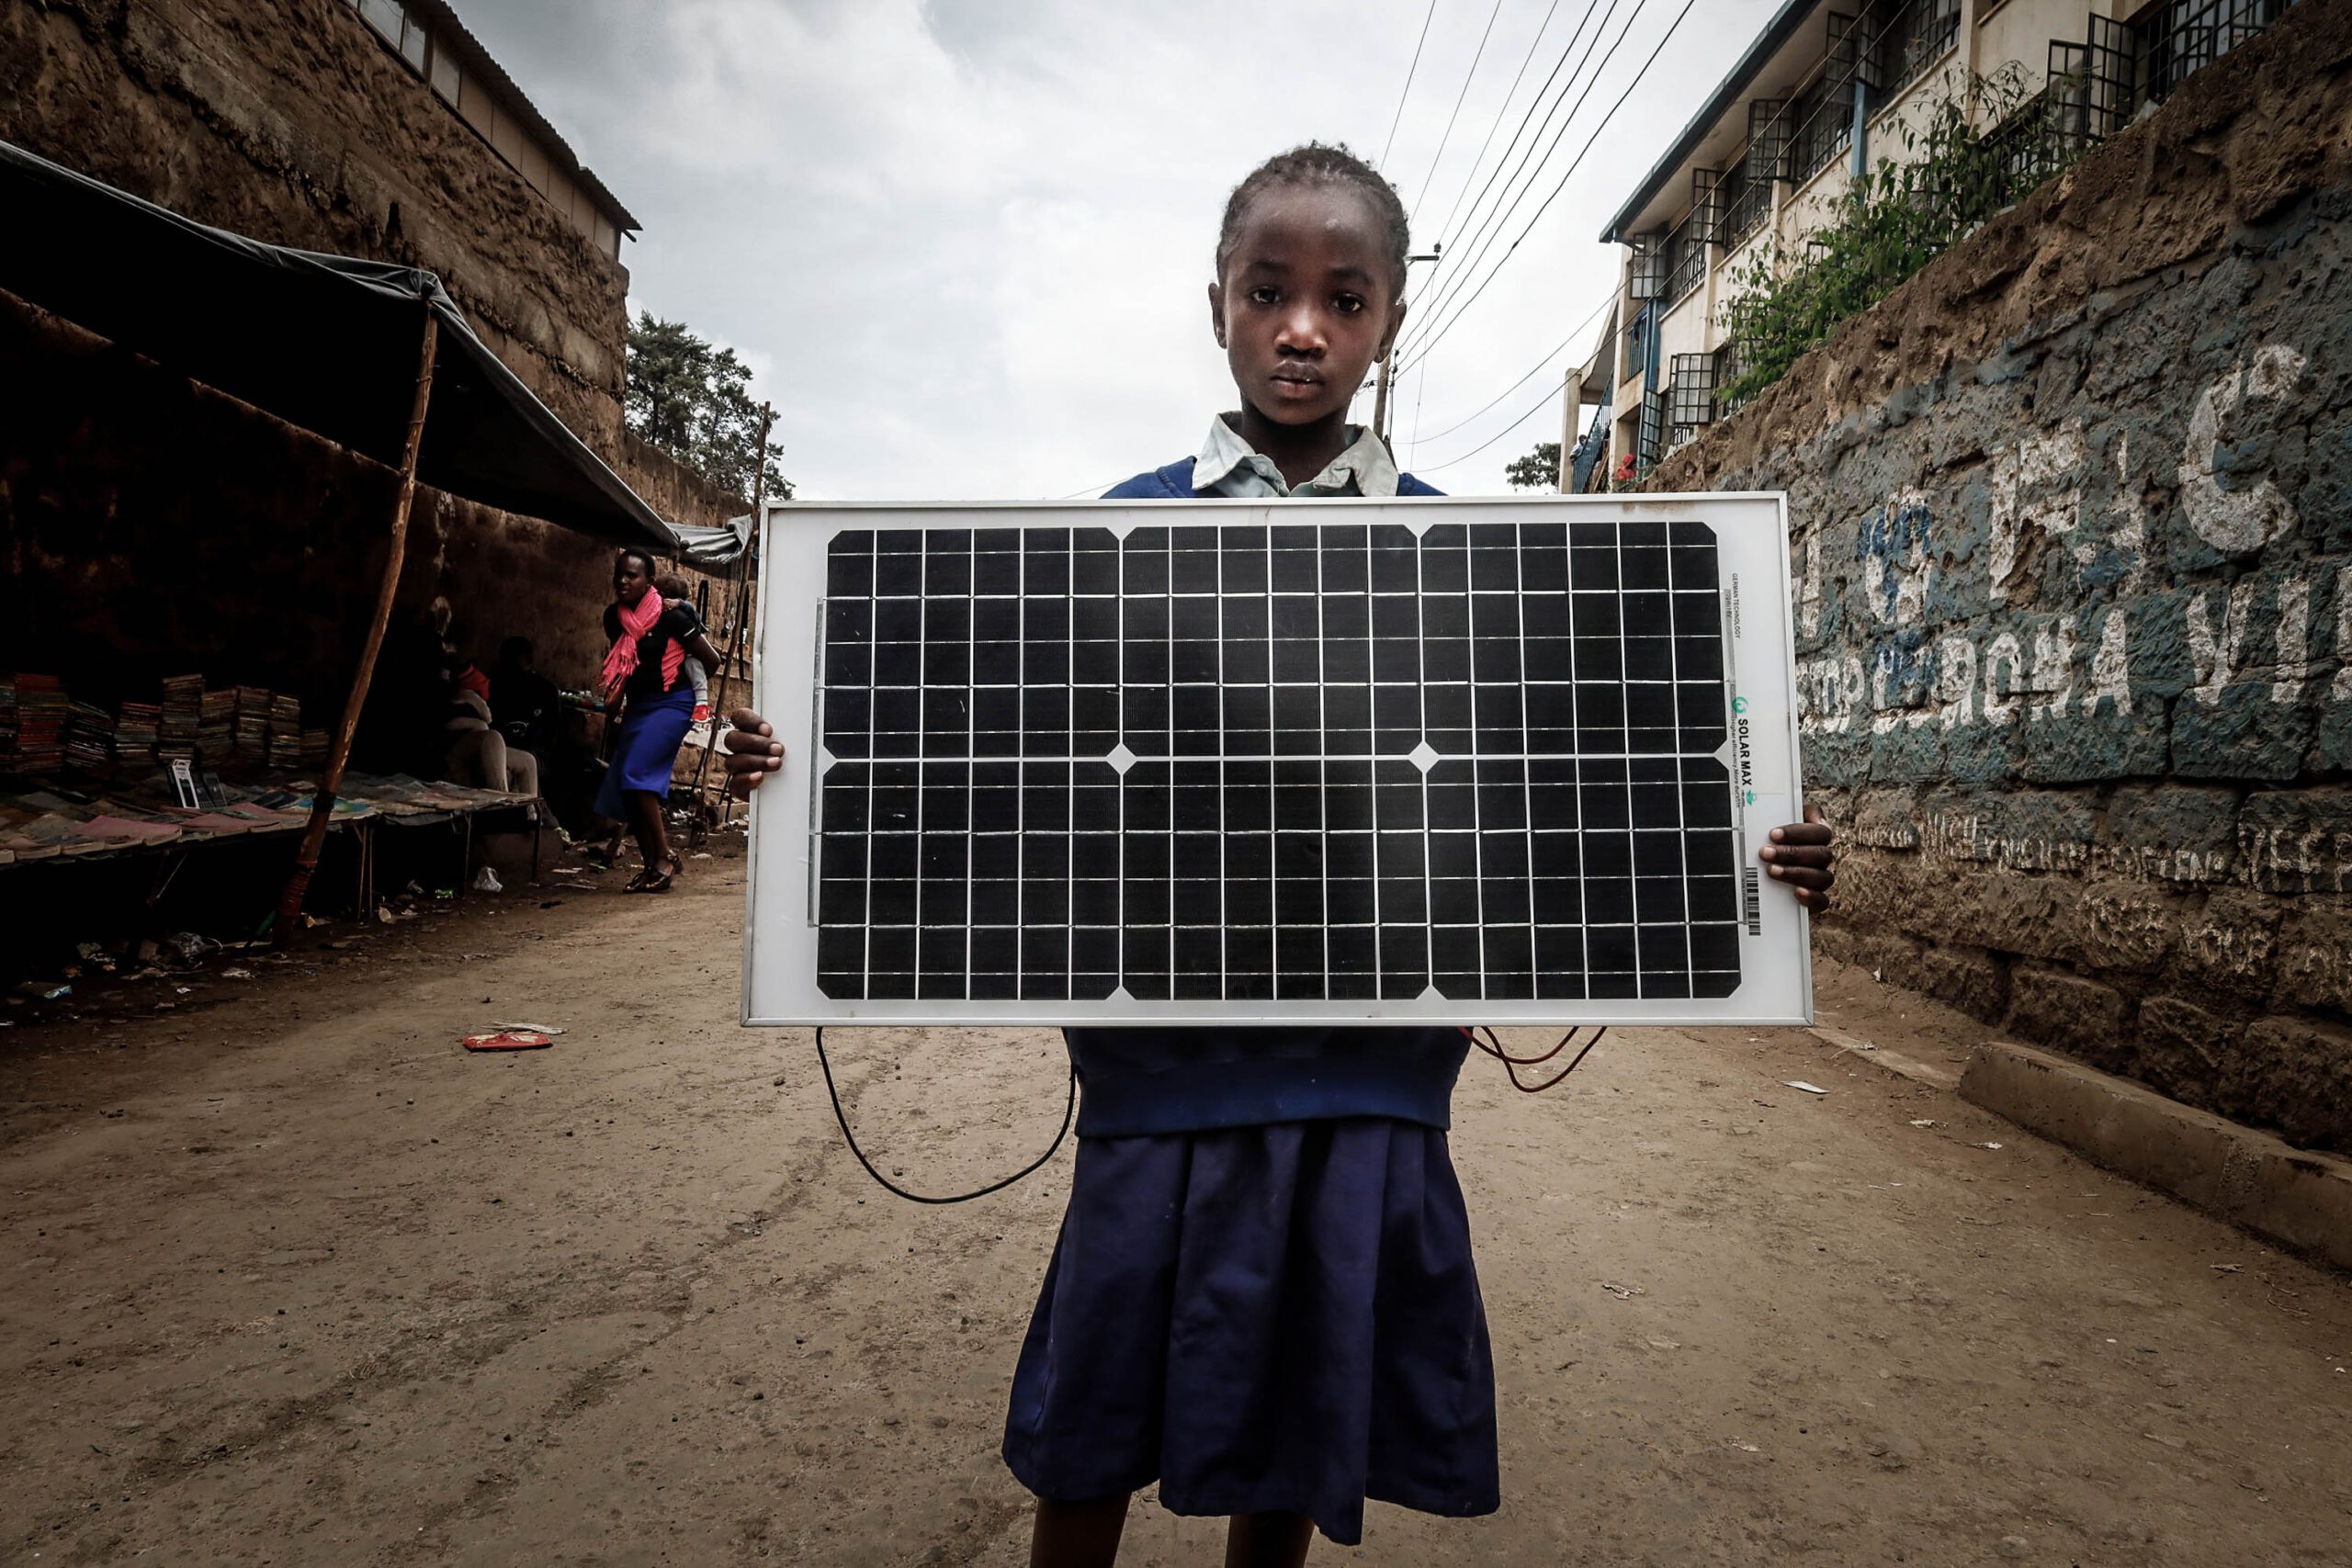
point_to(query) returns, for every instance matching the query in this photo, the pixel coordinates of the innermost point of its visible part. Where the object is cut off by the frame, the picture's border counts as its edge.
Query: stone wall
(2073, 543)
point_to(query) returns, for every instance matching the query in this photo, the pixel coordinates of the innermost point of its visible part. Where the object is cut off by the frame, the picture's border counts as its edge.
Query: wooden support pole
(306, 859)
(740, 610)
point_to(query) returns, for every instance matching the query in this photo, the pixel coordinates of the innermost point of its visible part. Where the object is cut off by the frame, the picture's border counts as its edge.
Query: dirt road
(292, 1279)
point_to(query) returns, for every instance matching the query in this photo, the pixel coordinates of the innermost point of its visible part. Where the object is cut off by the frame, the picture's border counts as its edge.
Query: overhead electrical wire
(1438, 332)
(1473, 225)
(1515, 385)
(1467, 78)
(1508, 93)
(1540, 405)
(1501, 218)
(1408, 92)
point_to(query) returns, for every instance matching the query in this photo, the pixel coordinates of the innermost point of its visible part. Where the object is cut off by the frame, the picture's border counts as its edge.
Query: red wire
(1494, 1047)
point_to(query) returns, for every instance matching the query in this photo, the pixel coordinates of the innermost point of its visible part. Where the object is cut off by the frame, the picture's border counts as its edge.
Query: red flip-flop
(508, 1039)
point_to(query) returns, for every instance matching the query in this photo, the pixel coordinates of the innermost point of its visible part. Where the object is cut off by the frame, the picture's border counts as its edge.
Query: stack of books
(89, 737)
(136, 730)
(251, 744)
(314, 748)
(40, 721)
(7, 722)
(285, 730)
(217, 716)
(183, 716)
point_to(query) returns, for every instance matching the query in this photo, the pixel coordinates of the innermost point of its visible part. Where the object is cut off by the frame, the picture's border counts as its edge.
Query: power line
(1477, 226)
(1543, 403)
(1492, 230)
(1509, 92)
(1440, 332)
(1467, 78)
(1508, 204)
(1408, 92)
(1577, 331)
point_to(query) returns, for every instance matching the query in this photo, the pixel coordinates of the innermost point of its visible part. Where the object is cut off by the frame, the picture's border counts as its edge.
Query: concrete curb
(2248, 1178)
(1886, 1061)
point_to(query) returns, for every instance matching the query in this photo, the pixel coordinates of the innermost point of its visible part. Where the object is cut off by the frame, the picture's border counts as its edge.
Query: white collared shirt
(1229, 466)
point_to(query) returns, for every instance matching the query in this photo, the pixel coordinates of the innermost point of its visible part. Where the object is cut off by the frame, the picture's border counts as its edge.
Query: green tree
(1539, 470)
(692, 400)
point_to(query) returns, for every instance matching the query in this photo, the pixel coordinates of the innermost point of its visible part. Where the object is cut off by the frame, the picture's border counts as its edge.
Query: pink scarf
(621, 662)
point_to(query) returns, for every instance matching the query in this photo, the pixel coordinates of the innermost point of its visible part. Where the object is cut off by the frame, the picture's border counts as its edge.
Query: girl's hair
(640, 554)
(1321, 164)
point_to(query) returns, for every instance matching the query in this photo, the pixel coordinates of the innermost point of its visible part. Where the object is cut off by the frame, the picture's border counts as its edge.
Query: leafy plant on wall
(1949, 179)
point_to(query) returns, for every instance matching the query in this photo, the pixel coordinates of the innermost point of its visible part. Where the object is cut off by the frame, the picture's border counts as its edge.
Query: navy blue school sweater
(1194, 1080)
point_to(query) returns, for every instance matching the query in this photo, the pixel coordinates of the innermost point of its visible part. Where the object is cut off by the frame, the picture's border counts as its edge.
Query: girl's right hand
(753, 752)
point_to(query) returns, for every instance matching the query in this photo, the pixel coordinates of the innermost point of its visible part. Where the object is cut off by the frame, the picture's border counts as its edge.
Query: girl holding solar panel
(1262, 1296)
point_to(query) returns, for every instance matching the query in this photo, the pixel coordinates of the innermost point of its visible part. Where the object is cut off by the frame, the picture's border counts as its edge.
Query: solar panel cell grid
(1260, 763)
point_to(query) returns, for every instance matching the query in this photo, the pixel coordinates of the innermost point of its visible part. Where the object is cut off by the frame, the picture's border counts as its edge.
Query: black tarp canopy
(326, 343)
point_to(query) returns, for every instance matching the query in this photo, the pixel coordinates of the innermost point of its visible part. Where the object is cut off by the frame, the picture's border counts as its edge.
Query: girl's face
(630, 579)
(1306, 302)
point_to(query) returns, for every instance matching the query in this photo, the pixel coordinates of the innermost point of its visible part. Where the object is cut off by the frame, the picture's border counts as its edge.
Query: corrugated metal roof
(1777, 31)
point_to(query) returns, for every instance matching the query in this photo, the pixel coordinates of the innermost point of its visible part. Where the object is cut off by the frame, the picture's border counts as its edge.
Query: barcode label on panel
(1751, 901)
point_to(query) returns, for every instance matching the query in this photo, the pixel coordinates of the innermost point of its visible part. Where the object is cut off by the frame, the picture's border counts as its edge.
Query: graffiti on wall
(2020, 595)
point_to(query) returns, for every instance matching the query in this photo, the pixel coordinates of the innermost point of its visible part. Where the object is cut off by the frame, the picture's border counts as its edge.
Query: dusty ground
(292, 1279)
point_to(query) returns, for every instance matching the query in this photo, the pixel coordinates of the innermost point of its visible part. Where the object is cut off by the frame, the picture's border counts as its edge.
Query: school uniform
(1263, 1295)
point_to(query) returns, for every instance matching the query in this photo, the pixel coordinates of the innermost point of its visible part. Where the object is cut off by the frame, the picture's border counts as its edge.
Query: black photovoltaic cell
(1296, 762)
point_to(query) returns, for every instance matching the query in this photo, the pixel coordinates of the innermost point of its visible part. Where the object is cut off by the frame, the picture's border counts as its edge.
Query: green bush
(1896, 219)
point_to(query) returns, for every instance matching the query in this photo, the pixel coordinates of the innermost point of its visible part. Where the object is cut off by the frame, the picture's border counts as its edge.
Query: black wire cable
(1070, 1114)
(1507, 204)
(1450, 308)
(1508, 93)
(1515, 385)
(1494, 1047)
(1408, 92)
(1440, 332)
(1469, 76)
(1432, 468)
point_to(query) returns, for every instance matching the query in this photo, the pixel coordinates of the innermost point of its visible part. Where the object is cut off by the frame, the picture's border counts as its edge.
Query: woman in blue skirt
(647, 686)
(1263, 1297)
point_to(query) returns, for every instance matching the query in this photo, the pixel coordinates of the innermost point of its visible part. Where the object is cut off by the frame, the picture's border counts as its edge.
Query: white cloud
(963, 244)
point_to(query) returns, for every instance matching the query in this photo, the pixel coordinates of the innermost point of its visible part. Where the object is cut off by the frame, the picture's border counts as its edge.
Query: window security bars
(1707, 206)
(1823, 127)
(1690, 401)
(1746, 204)
(1731, 364)
(1650, 432)
(1908, 40)
(1684, 256)
(1633, 347)
(1649, 268)
(2173, 42)
(1767, 135)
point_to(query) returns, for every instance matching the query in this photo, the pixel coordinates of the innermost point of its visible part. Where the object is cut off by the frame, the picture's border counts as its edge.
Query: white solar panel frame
(780, 917)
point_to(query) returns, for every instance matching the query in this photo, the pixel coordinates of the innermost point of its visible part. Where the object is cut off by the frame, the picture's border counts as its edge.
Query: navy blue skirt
(646, 753)
(1271, 1318)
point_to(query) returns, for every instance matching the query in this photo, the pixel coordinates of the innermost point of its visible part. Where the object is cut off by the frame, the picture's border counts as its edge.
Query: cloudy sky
(964, 244)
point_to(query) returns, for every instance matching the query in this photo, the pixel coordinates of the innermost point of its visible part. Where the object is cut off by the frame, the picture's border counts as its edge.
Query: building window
(1684, 254)
(2171, 41)
(1690, 397)
(386, 16)
(1909, 40)
(1821, 121)
(1634, 348)
(444, 76)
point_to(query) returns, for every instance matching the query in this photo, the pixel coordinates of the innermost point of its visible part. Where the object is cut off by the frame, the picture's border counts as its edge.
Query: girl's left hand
(1800, 855)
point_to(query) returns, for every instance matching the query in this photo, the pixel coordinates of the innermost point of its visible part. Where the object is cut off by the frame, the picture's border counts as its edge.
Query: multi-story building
(1825, 93)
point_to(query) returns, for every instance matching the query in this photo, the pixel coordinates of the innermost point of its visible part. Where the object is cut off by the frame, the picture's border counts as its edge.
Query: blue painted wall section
(2073, 556)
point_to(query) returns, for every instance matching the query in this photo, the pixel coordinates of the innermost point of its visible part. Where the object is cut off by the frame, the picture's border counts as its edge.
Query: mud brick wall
(289, 120)
(2073, 544)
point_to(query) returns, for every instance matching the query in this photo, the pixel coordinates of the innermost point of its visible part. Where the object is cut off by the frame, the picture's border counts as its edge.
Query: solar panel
(1218, 761)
